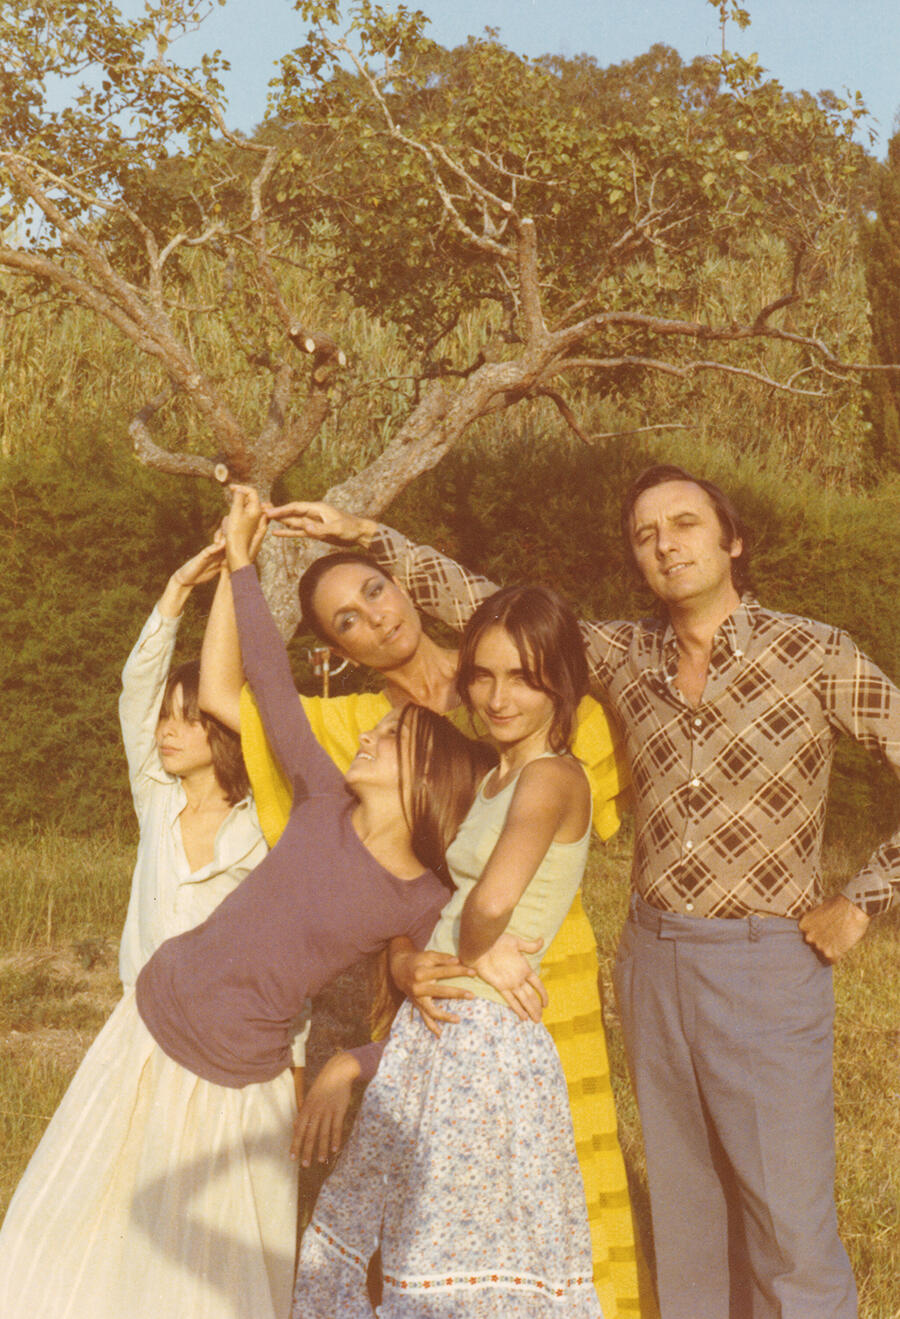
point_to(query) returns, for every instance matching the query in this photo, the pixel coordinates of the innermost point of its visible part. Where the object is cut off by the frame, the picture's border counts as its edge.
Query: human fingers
(529, 1000)
(258, 536)
(334, 1138)
(444, 971)
(200, 567)
(539, 987)
(301, 1127)
(432, 1016)
(437, 990)
(295, 508)
(513, 1002)
(300, 518)
(529, 945)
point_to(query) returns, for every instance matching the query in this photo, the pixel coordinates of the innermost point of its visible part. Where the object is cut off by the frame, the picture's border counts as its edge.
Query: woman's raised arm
(147, 667)
(265, 657)
(221, 670)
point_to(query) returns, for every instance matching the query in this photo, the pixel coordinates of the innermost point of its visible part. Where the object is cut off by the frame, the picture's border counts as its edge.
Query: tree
(881, 249)
(438, 181)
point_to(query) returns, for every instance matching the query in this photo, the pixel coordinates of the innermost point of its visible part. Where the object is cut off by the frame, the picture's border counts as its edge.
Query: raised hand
(319, 521)
(199, 568)
(245, 526)
(202, 567)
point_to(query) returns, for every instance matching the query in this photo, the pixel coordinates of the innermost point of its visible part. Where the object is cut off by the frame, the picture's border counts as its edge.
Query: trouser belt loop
(753, 922)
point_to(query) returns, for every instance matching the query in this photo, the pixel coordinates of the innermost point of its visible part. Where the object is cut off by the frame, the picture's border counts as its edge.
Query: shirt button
(695, 782)
(738, 654)
(689, 906)
(688, 845)
(698, 722)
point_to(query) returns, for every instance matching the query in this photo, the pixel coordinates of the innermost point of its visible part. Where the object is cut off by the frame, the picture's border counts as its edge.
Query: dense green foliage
(881, 251)
(634, 174)
(83, 561)
(83, 555)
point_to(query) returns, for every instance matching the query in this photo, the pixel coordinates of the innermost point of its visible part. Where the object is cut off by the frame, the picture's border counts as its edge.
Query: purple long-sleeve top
(220, 999)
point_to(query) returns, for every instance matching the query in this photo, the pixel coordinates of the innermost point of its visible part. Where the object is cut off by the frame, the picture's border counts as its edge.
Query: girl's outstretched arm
(221, 670)
(147, 667)
(265, 658)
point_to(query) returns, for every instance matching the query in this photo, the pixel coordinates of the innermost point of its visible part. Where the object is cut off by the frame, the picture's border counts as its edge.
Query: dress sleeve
(862, 702)
(268, 671)
(143, 682)
(420, 930)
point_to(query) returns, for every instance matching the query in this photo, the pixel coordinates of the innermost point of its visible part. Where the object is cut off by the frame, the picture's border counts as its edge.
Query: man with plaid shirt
(730, 713)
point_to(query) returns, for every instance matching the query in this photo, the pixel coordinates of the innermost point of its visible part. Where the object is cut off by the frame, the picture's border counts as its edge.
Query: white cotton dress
(143, 1197)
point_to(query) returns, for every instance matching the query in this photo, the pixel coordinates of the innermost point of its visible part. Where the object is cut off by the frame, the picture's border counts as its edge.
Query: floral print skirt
(462, 1169)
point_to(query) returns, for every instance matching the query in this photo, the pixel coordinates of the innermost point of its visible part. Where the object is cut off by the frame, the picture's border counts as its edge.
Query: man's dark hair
(733, 526)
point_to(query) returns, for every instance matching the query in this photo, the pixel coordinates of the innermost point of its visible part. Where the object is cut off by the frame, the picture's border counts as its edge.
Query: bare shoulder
(557, 778)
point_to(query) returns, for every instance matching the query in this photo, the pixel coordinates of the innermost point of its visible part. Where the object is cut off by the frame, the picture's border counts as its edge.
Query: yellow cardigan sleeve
(596, 748)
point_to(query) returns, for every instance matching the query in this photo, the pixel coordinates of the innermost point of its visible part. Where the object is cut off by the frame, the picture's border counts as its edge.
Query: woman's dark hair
(546, 634)
(445, 768)
(308, 584)
(733, 526)
(228, 763)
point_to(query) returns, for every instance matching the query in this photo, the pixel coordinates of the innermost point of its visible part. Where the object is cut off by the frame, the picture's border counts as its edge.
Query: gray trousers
(728, 1027)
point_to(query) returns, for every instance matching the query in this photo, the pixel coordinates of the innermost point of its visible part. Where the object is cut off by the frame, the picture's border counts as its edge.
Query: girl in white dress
(199, 837)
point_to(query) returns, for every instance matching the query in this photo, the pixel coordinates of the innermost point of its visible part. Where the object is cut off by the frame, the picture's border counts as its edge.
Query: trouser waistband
(710, 929)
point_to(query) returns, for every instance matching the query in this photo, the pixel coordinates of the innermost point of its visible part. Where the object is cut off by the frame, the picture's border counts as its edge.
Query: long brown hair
(546, 634)
(224, 745)
(445, 768)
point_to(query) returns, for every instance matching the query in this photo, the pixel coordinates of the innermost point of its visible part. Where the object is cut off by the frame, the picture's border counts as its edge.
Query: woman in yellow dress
(361, 613)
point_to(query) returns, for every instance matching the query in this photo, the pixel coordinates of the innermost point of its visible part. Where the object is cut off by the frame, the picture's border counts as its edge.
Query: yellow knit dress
(569, 971)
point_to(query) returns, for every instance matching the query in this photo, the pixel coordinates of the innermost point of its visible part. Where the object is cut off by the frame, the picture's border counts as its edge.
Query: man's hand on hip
(834, 927)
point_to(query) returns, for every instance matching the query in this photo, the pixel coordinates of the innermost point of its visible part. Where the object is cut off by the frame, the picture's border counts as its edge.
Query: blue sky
(805, 44)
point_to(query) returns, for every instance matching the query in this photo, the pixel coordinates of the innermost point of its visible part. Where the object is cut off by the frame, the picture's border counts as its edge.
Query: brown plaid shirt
(729, 796)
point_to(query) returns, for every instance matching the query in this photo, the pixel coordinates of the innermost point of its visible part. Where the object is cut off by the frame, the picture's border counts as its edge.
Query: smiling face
(370, 620)
(499, 692)
(377, 762)
(680, 547)
(183, 743)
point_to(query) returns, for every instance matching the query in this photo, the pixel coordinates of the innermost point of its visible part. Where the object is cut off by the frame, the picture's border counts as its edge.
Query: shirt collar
(733, 633)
